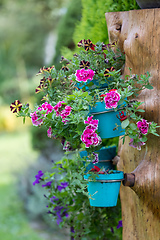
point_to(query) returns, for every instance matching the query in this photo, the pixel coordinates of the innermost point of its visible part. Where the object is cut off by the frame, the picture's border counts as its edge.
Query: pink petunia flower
(89, 137)
(82, 75)
(89, 119)
(34, 118)
(111, 99)
(143, 126)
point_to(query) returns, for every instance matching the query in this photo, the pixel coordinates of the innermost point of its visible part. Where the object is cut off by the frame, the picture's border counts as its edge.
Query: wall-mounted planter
(106, 154)
(95, 82)
(107, 121)
(104, 191)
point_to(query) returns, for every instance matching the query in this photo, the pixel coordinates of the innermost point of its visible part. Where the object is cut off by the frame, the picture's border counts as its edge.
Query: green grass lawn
(16, 154)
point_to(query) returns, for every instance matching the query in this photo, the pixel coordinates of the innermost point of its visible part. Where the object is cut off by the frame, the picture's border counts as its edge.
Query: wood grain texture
(138, 34)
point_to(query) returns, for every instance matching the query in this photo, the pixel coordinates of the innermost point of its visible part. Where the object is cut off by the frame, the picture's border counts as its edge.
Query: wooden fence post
(138, 34)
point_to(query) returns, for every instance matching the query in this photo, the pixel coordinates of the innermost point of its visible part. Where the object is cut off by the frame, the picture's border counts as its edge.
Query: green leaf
(156, 134)
(133, 126)
(140, 110)
(125, 123)
(148, 86)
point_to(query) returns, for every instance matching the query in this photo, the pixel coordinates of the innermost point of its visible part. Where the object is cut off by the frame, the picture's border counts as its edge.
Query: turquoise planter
(105, 190)
(106, 154)
(95, 84)
(107, 121)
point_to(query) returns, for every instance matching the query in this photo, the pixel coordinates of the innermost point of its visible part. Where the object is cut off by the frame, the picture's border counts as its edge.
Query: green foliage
(24, 27)
(86, 221)
(66, 28)
(93, 24)
(61, 85)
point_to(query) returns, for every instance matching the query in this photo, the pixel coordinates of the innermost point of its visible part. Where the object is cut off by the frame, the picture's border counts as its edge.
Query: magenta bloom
(66, 112)
(57, 108)
(34, 118)
(111, 99)
(49, 132)
(46, 106)
(89, 119)
(136, 145)
(143, 126)
(89, 137)
(82, 75)
(93, 123)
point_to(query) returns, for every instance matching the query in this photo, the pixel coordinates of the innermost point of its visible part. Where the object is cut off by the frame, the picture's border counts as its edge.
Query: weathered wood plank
(138, 33)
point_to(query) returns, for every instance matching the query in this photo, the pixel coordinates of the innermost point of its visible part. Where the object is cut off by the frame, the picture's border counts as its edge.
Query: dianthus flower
(66, 112)
(46, 106)
(34, 118)
(143, 126)
(111, 99)
(82, 75)
(62, 110)
(58, 107)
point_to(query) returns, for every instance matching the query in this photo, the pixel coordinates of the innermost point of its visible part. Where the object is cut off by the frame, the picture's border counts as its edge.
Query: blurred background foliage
(35, 33)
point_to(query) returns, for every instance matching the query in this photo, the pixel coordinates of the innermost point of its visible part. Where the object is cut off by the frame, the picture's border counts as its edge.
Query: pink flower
(66, 112)
(86, 137)
(89, 119)
(136, 145)
(93, 123)
(49, 132)
(111, 99)
(143, 126)
(89, 137)
(57, 108)
(96, 139)
(34, 118)
(46, 106)
(82, 75)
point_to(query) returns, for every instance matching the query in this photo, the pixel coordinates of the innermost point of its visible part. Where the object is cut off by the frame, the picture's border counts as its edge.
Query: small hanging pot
(106, 154)
(107, 121)
(104, 190)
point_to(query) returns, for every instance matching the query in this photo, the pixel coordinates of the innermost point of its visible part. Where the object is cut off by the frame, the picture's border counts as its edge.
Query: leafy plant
(68, 202)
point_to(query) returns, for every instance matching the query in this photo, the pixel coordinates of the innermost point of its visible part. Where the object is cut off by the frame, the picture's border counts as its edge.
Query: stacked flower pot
(104, 189)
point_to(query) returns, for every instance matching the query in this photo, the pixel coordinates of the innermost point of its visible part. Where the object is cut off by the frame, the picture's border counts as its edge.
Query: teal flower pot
(95, 82)
(106, 154)
(105, 190)
(107, 121)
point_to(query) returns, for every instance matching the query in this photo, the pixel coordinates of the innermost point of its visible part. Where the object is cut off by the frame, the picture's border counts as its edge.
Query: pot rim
(115, 175)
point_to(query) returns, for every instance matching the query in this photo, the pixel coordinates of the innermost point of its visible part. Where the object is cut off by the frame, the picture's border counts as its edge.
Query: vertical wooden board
(138, 34)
